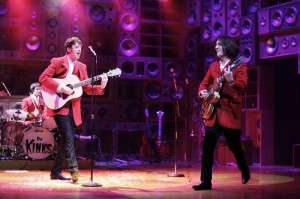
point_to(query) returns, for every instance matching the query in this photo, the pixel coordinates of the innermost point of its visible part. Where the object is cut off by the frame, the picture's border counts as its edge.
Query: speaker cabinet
(193, 13)
(263, 21)
(206, 20)
(10, 30)
(233, 14)
(250, 7)
(219, 21)
(140, 68)
(249, 40)
(284, 16)
(279, 45)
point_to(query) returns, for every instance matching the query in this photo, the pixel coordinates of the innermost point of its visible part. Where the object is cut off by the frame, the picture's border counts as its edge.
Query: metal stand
(91, 183)
(175, 174)
(115, 142)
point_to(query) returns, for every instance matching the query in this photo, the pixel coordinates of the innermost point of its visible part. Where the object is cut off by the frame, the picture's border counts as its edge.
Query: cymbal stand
(175, 174)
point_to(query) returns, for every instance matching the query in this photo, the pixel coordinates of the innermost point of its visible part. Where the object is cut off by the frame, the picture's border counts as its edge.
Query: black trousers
(66, 151)
(233, 138)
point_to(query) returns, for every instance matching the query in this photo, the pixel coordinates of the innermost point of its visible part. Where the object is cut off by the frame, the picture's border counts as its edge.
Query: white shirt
(222, 66)
(71, 67)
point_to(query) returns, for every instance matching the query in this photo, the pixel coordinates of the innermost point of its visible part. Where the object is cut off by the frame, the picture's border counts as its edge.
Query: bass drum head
(38, 143)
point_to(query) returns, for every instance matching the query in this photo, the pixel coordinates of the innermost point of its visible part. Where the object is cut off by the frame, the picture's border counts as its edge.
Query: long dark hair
(230, 47)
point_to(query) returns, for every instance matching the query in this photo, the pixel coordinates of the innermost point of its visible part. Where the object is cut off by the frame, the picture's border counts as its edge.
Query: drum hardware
(17, 113)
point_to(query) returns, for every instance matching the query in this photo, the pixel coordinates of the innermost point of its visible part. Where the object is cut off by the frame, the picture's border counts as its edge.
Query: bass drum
(49, 123)
(38, 142)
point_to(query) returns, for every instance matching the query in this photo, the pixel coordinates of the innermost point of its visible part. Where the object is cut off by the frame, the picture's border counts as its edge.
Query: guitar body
(209, 105)
(55, 100)
(214, 96)
(164, 150)
(149, 148)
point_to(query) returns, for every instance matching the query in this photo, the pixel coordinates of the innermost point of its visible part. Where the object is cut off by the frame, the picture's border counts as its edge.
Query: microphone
(6, 88)
(92, 51)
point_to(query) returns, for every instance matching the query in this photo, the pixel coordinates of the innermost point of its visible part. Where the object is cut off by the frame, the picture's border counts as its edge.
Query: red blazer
(229, 107)
(58, 68)
(29, 106)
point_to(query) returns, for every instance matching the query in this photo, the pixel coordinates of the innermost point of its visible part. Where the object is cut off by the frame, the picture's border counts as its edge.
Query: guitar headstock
(114, 72)
(237, 62)
(146, 113)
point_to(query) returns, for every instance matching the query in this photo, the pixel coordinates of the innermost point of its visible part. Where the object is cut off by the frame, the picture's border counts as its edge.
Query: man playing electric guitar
(69, 115)
(227, 113)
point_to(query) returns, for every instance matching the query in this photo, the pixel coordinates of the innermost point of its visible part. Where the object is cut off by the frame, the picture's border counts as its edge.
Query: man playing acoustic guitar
(67, 115)
(221, 90)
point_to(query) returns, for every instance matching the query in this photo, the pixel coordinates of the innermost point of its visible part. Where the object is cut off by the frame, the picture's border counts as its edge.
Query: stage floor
(144, 180)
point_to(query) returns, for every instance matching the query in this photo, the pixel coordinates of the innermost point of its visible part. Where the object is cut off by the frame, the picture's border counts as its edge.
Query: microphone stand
(175, 174)
(91, 183)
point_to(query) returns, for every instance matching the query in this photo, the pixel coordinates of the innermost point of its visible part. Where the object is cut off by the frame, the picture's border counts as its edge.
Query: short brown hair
(71, 41)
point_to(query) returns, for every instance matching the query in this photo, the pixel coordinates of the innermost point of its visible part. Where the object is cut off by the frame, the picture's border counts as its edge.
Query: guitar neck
(87, 81)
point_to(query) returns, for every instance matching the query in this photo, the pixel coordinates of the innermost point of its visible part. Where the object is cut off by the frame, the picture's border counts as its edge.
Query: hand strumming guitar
(228, 75)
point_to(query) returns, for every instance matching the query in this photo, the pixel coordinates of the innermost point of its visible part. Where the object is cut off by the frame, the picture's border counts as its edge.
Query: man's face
(37, 91)
(219, 49)
(75, 51)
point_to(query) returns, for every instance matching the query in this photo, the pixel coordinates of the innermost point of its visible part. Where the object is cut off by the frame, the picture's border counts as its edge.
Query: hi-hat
(17, 113)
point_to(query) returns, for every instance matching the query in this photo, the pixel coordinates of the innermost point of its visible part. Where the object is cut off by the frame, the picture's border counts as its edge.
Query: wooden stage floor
(144, 180)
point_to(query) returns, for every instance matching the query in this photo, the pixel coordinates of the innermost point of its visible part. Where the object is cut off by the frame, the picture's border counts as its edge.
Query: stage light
(32, 42)
(128, 21)
(128, 47)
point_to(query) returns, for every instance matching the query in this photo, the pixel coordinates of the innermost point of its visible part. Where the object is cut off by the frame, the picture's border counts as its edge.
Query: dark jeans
(233, 138)
(66, 152)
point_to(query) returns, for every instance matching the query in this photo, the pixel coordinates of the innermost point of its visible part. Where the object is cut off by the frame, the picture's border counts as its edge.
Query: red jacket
(229, 106)
(58, 68)
(29, 106)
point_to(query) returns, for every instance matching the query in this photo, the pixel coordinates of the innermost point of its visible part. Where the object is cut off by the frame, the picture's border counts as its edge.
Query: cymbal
(19, 113)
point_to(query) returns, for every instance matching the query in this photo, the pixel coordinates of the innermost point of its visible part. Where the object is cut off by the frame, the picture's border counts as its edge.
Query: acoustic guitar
(209, 104)
(54, 100)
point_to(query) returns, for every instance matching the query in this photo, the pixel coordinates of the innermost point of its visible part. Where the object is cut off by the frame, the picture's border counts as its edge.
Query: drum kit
(36, 141)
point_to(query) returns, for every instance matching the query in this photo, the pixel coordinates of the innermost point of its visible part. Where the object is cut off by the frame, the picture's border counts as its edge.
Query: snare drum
(11, 133)
(49, 123)
(38, 142)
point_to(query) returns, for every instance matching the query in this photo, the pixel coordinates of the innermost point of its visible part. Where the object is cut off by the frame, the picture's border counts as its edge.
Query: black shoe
(245, 176)
(58, 176)
(203, 186)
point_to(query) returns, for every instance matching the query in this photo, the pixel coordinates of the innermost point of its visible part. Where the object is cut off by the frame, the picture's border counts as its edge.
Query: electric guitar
(54, 100)
(149, 148)
(209, 104)
(163, 147)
